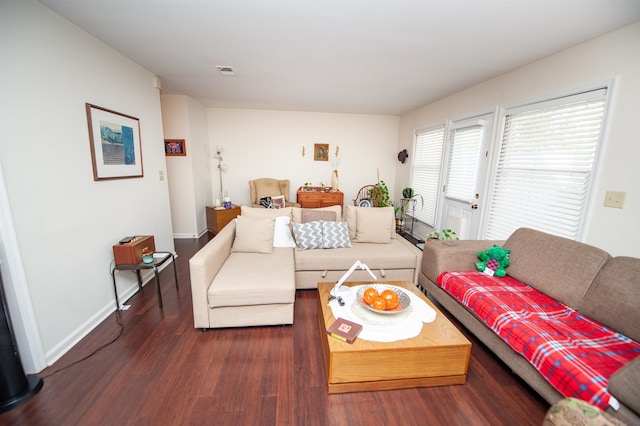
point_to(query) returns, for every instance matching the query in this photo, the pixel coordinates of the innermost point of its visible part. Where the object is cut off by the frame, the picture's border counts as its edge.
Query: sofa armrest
(461, 255)
(625, 385)
(203, 268)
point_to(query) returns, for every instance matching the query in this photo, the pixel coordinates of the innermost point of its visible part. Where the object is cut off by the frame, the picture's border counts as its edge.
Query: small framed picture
(321, 152)
(277, 202)
(174, 147)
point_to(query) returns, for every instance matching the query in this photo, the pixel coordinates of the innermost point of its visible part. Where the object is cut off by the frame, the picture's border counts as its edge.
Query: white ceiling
(349, 56)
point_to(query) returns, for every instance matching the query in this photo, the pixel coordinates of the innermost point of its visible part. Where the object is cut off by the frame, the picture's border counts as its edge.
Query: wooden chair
(368, 196)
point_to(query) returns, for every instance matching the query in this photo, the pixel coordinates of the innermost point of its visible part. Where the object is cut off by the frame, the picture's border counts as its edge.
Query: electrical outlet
(161, 174)
(615, 199)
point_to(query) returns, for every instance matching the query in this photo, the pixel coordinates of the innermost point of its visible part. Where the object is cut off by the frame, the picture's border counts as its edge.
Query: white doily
(384, 328)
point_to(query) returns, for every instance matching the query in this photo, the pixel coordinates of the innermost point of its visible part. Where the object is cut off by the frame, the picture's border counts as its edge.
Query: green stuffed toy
(496, 259)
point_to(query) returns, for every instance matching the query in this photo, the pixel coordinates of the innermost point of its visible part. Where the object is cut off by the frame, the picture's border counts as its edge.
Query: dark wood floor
(162, 371)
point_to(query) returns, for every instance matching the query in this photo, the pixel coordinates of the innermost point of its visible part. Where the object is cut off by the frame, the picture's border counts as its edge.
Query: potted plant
(409, 195)
(379, 195)
(443, 234)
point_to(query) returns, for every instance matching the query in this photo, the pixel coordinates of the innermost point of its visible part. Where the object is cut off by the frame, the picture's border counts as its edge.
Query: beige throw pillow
(260, 212)
(352, 220)
(354, 213)
(313, 215)
(296, 212)
(373, 225)
(253, 235)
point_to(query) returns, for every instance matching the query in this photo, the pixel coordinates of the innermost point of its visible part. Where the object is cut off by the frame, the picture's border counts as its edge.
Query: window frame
(420, 216)
(555, 99)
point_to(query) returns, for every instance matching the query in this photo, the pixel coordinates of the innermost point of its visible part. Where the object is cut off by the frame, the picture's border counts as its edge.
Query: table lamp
(338, 290)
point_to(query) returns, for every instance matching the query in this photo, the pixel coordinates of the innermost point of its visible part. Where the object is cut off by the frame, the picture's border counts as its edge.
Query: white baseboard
(183, 236)
(105, 312)
(191, 236)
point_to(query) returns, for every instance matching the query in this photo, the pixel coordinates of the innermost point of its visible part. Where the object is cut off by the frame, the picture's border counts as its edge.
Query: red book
(344, 330)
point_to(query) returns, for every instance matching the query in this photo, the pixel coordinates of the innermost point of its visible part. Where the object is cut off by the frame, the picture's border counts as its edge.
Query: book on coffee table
(344, 330)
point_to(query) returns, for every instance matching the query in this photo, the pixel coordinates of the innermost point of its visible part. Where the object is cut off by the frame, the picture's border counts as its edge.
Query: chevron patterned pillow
(335, 235)
(308, 235)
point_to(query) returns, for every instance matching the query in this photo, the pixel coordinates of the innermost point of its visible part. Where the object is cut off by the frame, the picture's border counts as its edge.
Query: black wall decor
(403, 155)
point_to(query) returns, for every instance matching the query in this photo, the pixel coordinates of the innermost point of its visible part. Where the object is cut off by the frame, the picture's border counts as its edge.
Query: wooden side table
(159, 258)
(217, 219)
(314, 197)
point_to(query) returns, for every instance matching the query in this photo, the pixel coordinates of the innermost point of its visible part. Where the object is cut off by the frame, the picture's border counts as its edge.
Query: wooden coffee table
(438, 356)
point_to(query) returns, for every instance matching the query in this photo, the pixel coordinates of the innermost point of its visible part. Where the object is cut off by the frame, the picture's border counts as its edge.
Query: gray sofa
(235, 286)
(582, 277)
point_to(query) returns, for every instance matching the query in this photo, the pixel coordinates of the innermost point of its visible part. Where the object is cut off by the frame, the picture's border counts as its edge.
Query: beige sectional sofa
(238, 283)
(580, 276)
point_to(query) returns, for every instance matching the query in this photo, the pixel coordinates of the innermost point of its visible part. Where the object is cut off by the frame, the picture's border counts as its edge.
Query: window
(464, 160)
(546, 161)
(425, 171)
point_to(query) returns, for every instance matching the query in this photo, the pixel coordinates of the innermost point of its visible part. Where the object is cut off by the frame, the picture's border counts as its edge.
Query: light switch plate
(615, 199)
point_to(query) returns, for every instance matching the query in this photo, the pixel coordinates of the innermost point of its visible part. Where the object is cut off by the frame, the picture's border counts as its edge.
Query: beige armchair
(267, 187)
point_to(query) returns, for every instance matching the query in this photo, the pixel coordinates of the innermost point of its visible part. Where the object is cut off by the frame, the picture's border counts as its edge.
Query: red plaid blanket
(574, 353)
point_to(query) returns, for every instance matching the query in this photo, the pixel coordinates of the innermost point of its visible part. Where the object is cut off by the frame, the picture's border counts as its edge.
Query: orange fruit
(379, 304)
(391, 297)
(370, 295)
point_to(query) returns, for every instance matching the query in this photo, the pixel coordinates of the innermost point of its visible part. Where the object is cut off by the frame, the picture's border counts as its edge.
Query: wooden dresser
(314, 197)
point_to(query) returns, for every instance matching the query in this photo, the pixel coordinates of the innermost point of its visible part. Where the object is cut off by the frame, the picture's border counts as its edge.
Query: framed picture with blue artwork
(116, 150)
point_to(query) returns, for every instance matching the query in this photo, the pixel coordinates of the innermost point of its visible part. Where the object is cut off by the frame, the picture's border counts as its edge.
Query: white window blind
(425, 172)
(464, 157)
(547, 158)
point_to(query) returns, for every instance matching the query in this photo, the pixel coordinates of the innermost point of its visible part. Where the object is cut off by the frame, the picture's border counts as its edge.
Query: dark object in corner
(403, 155)
(15, 386)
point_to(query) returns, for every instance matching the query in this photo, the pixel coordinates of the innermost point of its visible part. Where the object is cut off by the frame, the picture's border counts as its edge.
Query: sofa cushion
(254, 279)
(614, 297)
(625, 384)
(335, 235)
(296, 212)
(541, 260)
(311, 215)
(282, 232)
(395, 255)
(373, 225)
(260, 212)
(253, 235)
(351, 218)
(308, 235)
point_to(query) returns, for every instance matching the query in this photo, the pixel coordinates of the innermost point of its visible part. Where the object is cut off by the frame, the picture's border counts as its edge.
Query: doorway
(467, 163)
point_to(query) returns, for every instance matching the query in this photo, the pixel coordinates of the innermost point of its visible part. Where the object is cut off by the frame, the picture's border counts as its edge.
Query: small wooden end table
(218, 218)
(163, 256)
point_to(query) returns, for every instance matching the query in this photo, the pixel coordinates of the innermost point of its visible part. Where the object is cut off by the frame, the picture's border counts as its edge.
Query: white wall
(175, 120)
(269, 144)
(201, 159)
(65, 222)
(190, 185)
(189, 176)
(614, 55)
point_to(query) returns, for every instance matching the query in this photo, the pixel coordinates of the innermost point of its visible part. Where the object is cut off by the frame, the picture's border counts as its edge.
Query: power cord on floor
(92, 353)
(111, 271)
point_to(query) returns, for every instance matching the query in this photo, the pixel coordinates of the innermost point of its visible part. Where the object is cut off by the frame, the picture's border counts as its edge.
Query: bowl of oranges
(383, 299)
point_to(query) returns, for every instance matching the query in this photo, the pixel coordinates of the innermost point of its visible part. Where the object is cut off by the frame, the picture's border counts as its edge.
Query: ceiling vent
(225, 70)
